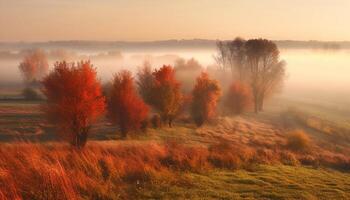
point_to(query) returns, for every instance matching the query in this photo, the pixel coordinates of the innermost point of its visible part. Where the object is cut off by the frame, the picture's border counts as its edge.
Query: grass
(146, 170)
(244, 157)
(264, 182)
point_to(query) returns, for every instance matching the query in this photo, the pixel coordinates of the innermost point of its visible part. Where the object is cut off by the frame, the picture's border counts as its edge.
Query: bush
(238, 98)
(31, 94)
(298, 141)
(288, 158)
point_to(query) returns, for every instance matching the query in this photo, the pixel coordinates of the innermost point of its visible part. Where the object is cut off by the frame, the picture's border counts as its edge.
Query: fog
(312, 75)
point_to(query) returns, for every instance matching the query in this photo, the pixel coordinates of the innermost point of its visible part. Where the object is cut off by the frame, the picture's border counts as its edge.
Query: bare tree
(236, 58)
(254, 62)
(231, 54)
(266, 71)
(221, 56)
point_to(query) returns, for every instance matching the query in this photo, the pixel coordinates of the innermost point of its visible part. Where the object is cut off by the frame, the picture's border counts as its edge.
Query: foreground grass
(262, 182)
(148, 170)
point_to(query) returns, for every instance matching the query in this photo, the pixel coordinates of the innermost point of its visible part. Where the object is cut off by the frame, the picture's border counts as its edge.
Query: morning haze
(185, 99)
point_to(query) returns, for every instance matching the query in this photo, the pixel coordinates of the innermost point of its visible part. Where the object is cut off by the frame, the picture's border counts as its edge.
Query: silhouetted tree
(231, 54)
(266, 71)
(74, 100)
(255, 62)
(236, 57)
(125, 108)
(205, 95)
(145, 82)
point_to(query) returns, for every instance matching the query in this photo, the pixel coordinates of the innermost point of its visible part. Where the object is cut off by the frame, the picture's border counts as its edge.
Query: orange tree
(125, 108)
(205, 96)
(239, 98)
(74, 100)
(166, 95)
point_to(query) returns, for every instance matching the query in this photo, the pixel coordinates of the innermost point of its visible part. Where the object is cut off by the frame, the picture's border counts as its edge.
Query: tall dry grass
(117, 170)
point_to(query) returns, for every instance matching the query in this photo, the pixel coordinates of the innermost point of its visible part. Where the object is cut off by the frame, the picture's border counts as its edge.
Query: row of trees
(75, 99)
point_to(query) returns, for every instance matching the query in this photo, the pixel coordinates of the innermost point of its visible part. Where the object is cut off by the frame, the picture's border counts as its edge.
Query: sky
(147, 20)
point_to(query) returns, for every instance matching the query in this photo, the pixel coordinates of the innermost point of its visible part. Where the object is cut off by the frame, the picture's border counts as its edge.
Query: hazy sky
(40, 20)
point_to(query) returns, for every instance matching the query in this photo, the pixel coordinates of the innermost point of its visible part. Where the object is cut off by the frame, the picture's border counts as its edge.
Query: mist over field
(185, 99)
(317, 75)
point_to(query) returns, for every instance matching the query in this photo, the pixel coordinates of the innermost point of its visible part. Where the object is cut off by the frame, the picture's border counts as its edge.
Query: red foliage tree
(166, 94)
(239, 98)
(74, 100)
(34, 66)
(125, 108)
(205, 96)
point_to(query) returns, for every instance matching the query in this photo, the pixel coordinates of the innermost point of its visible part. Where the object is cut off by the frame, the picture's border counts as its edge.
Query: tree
(145, 82)
(231, 54)
(185, 70)
(238, 98)
(125, 108)
(166, 97)
(266, 71)
(236, 57)
(254, 62)
(205, 96)
(74, 100)
(34, 66)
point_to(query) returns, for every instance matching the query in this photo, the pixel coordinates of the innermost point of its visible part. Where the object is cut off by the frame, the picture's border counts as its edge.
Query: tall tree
(205, 96)
(166, 94)
(145, 82)
(254, 62)
(125, 108)
(74, 100)
(231, 54)
(265, 69)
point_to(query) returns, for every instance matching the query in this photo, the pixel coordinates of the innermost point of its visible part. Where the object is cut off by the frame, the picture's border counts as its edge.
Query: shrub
(298, 141)
(288, 158)
(238, 98)
(74, 100)
(34, 66)
(205, 96)
(125, 108)
(31, 94)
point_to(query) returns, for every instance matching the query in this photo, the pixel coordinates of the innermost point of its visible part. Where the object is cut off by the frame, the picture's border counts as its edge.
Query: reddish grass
(298, 141)
(117, 170)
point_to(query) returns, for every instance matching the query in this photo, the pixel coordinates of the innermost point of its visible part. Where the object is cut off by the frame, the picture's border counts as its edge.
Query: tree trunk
(80, 139)
(170, 121)
(256, 104)
(261, 104)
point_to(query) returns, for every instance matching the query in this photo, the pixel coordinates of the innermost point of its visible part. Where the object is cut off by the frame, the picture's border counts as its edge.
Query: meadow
(242, 157)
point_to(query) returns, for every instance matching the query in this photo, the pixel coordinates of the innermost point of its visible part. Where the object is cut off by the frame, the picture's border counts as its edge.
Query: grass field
(242, 157)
